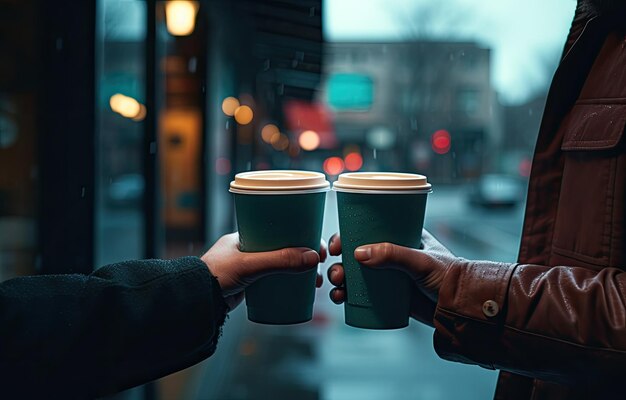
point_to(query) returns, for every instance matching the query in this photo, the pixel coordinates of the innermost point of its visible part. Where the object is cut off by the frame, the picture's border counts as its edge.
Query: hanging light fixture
(180, 17)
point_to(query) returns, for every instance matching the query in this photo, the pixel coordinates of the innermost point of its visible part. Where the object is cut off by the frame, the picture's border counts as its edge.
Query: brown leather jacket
(555, 323)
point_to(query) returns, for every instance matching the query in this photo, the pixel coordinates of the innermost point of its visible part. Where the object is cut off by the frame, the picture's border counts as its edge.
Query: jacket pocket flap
(593, 126)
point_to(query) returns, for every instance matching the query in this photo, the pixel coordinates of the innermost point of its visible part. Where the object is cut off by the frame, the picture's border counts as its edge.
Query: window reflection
(120, 110)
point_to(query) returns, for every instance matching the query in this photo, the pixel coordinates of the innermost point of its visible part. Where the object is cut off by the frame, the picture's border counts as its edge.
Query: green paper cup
(377, 207)
(275, 210)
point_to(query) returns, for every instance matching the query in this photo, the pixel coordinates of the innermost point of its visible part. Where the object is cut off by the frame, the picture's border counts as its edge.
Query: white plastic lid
(279, 181)
(381, 182)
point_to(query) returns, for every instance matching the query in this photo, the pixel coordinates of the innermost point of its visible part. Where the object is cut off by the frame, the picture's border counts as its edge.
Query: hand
(426, 267)
(235, 269)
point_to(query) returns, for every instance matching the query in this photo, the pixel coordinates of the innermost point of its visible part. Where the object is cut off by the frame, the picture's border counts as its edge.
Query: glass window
(180, 98)
(120, 111)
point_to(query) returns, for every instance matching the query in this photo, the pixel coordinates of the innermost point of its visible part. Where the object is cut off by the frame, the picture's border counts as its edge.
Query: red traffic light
(441, 141)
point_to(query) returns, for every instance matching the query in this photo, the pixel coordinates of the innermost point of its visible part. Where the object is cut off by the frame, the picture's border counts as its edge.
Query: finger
(334, 245)
(323, 251)
(319, 280)
(336, 274)
(290, 260)
(337, 295)
(392, 256)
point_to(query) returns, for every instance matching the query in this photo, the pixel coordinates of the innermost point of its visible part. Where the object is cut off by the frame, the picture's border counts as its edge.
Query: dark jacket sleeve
(562, 324)
(80, 336)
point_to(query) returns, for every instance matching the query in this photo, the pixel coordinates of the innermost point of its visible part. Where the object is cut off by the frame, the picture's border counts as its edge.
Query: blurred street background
(122, 123)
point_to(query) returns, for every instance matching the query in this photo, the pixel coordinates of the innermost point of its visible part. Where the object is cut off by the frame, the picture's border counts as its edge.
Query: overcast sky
(525, 36)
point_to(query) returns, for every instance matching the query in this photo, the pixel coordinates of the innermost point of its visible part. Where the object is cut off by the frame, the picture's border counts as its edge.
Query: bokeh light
(333, 165)
(280, 142)
(441, 141)
(309, 140)
(353, 162)
(229, 105)
(268, 132)
(243, 115)
(180, 16)
(381, 138)
(275, 138)
(126, 106)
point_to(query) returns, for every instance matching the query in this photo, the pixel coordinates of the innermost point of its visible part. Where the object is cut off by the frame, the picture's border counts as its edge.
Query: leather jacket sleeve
(562, 324)
(77, 336)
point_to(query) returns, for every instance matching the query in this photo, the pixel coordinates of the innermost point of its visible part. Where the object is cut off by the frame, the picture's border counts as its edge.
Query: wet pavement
(328, 360)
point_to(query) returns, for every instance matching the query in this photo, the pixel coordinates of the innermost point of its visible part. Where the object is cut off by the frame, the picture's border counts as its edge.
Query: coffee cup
(279, 209)
(376, 207)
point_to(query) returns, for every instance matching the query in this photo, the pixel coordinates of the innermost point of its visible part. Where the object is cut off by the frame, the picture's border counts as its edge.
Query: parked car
(495, 190)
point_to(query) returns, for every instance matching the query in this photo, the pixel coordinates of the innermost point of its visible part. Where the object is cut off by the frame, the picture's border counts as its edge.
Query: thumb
(289, 260)
(390, 255)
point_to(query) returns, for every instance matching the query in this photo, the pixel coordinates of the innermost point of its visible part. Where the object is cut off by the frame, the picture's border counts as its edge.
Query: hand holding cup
(378, 207)
(426, 267)
(236, 270)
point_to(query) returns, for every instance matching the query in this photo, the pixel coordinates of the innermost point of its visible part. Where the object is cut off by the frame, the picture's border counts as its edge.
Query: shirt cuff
(470, 311)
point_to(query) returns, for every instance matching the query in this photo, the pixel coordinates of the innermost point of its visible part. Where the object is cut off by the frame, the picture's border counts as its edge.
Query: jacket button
(490, 308)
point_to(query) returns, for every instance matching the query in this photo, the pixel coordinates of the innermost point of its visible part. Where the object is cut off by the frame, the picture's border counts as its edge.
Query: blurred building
(424, 106)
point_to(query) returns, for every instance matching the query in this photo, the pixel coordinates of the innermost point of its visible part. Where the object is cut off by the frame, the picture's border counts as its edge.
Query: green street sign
(350, 92)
